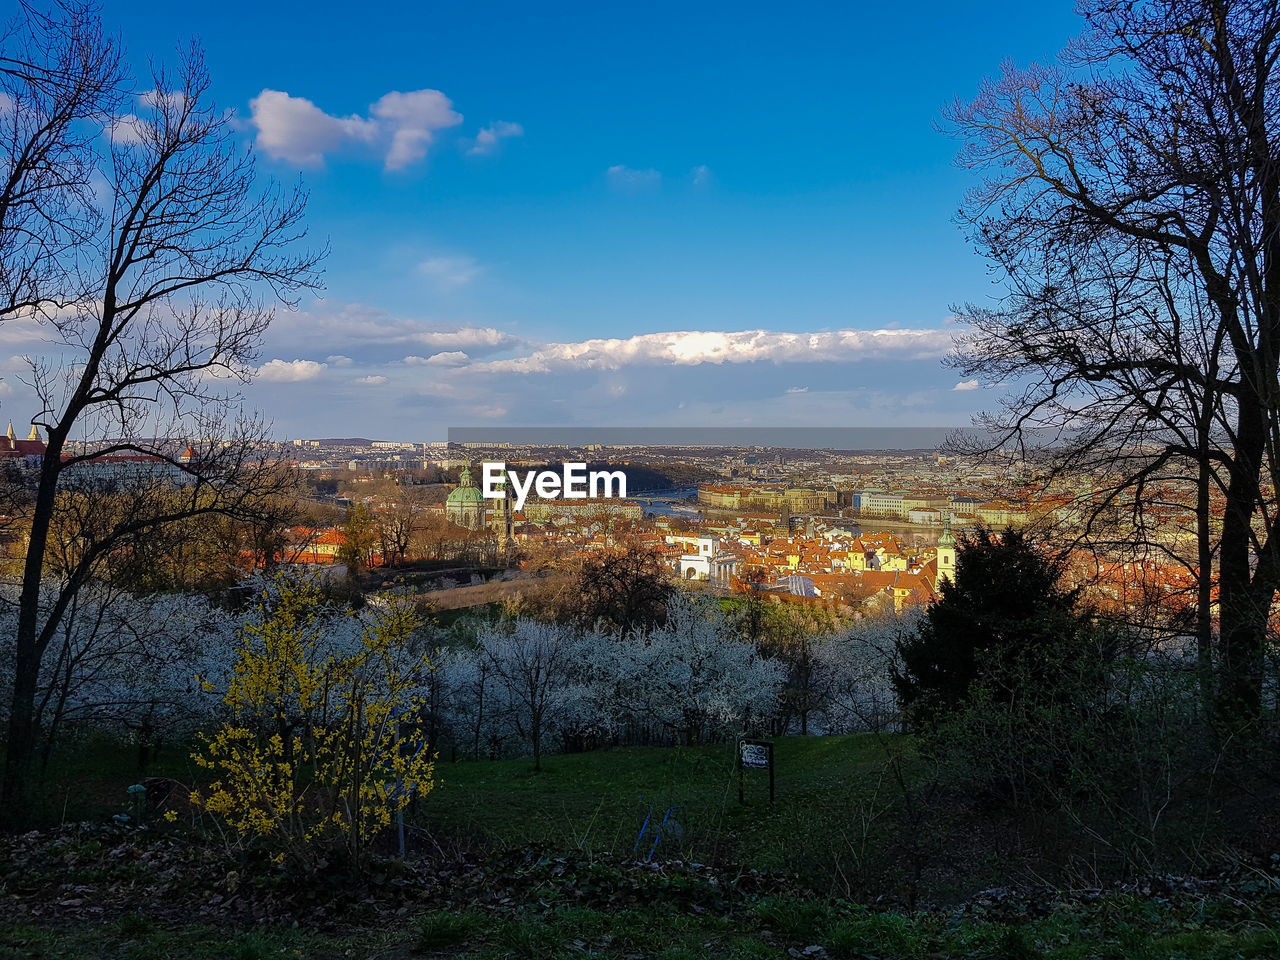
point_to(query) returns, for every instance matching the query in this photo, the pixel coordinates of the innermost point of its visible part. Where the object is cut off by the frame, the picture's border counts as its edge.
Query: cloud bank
(290, 371)
(693, 347)
(400, 125)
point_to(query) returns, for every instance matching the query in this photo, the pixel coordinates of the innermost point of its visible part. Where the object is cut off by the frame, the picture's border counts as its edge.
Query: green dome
(464, 495)
(464, 492)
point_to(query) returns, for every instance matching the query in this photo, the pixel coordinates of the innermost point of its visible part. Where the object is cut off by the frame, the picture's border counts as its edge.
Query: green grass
(87, 777)
(446, 929)
(827, 793)
(189, 942)
(1108, 931)
(577, 798)
(834, 804)
(836, 808)
(836, 811)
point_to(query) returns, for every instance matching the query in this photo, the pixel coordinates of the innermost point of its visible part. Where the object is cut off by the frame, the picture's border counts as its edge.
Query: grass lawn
(837, 807)
(834, 797)
(829, 794)
(772, 928)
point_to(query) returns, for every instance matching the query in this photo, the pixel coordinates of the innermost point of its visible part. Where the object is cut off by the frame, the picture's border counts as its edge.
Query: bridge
(661, 496)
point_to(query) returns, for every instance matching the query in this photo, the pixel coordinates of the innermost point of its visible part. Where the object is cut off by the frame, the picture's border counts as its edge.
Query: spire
(11, 435)
(947, 539)
(34, 434)
(465, 479)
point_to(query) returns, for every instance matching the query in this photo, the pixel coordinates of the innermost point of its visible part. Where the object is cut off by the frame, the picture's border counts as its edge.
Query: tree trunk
(1204, 590)
(21, 748)
(1242, 619)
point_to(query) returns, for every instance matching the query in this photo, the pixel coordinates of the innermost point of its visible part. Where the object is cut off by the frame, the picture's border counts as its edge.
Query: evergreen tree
(1007, 619)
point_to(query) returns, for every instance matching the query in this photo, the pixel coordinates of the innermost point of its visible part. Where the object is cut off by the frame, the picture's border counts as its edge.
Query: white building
(696, 565)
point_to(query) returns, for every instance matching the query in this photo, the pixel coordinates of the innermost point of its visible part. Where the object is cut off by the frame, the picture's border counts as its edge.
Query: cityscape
(860, 531)
(612, 481)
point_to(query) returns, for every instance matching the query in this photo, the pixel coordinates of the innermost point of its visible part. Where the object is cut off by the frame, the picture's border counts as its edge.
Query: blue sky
(527, 202)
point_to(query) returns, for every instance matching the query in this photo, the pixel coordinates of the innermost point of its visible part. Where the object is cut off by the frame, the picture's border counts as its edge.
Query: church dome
(465, 492)
(464, 495)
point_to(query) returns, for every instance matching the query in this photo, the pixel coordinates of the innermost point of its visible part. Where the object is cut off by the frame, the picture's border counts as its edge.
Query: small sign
(754, 755)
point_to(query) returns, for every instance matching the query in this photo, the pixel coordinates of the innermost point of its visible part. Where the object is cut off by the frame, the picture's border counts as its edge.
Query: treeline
(1088, 740)
(687, 672)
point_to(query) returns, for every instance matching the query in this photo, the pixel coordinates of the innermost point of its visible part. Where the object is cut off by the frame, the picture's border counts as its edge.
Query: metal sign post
(755, 755)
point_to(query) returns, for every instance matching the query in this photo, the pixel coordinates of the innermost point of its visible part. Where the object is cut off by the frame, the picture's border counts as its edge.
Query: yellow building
(585, 509)
(719, 496)
(947, 554)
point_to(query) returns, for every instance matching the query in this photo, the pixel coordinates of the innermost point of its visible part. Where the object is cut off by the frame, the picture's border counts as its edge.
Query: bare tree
(397, 527)
(359, 540)
(1133, 207)
(155, 312)
(624, 588)
(265, 537)
(60, 76)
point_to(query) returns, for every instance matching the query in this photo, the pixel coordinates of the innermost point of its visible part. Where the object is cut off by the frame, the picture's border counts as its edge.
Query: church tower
(947, 553)
(465, 504)
(501, 519)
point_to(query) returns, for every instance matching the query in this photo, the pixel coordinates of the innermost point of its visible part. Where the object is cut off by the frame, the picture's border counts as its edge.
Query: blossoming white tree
(856, 669)
(693, 676)
(120, 662)
(535, 676)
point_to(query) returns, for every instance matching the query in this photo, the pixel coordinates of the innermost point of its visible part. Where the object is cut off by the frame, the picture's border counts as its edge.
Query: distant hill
(345, 442)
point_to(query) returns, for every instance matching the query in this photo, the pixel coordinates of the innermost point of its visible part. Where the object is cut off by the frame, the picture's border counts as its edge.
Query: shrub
(1006, 620)
(310, 758)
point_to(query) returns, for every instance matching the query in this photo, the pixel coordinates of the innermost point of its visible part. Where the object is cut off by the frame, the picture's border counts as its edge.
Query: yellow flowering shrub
(313, 757)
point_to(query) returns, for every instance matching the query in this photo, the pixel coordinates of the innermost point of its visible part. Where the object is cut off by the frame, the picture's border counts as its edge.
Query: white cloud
(24, 328)
(626, 178)
(693, 347)
(471, 337)
(163, 99)
(964, 385)
(354, 328)
(701, 175)
(450, 272)
(403, 124)
(295, 129)
(797, 389)
(374, 380)
(449, 358)
(127, 130)
(290, 371)
(413, 117)
(31, 324)
(338, 360)
(488, 138)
